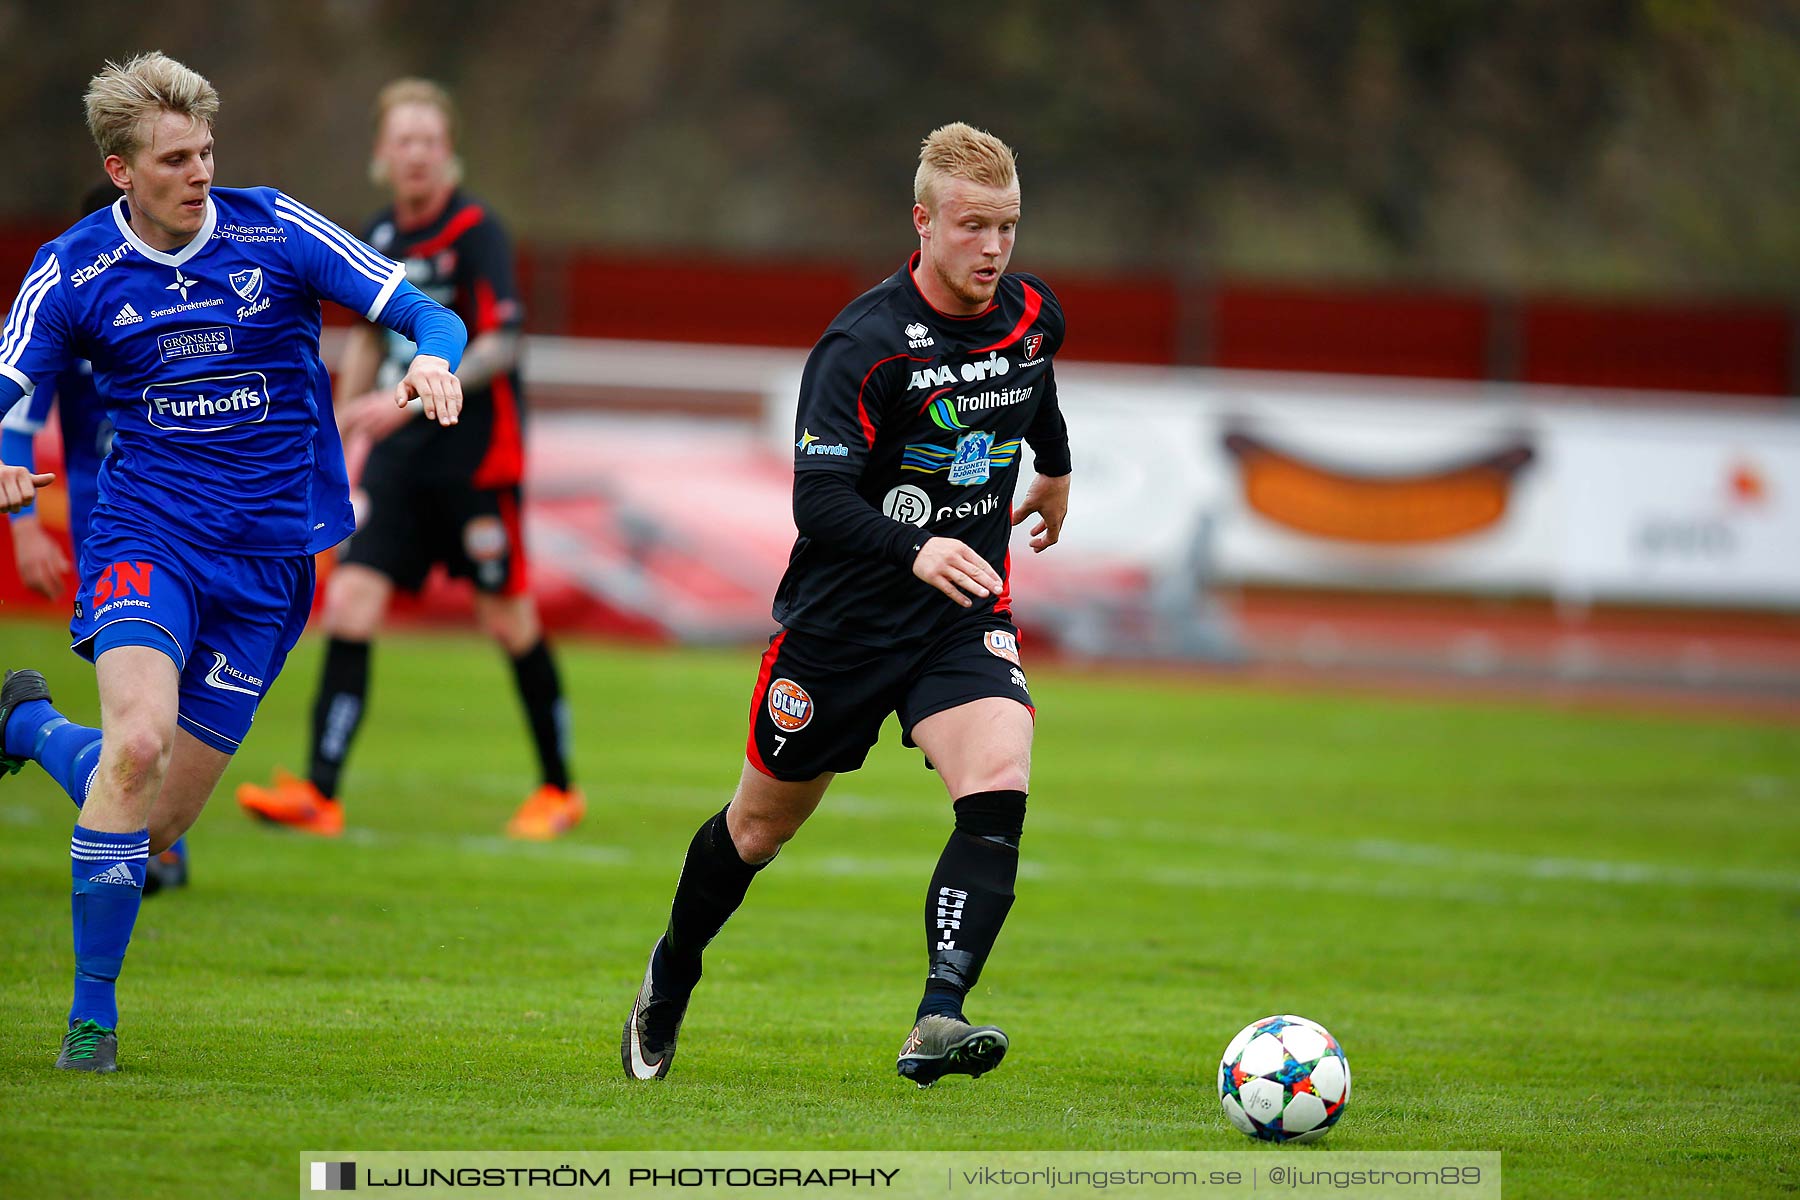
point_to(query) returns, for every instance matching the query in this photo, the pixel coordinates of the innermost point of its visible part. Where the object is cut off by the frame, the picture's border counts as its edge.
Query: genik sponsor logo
(913, 505)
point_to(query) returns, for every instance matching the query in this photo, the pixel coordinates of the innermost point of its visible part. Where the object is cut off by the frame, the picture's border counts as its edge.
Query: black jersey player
(915, 411)
(456, 252)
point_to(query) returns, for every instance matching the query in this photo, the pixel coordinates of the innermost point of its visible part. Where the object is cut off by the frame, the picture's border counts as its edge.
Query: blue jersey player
(199, 309)
(87, 435)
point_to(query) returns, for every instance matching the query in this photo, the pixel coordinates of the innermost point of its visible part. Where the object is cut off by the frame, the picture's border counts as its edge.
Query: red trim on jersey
(504, 462)
(862, 412)
(756, 702)
(518, 579)
(1033, 302)
(460, 224)
(934, 396)
(1003, 602)
(487, 309)
(912, 264)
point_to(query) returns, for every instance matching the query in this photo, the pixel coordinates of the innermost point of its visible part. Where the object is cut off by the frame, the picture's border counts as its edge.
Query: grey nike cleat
(940, 1046)
(19, 687)
(89, 1046)
(648, 1044)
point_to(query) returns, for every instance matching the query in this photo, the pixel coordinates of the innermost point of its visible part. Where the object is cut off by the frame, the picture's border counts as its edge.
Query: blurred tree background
(1615, 146)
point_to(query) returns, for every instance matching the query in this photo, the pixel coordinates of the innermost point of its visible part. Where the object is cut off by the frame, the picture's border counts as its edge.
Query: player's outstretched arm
(1048, 497)
(441, 338)
(955, 570)
(43, 567)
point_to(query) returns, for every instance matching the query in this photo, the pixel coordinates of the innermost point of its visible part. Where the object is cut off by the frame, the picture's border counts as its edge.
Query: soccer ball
(1284, 1079)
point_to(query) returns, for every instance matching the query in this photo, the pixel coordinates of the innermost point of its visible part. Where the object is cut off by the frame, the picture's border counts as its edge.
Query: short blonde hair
(414, 90)
(122, 100)
(961, 151)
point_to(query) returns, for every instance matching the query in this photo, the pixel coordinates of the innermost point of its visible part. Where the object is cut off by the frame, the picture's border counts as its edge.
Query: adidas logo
(127, 316)
(118, 872)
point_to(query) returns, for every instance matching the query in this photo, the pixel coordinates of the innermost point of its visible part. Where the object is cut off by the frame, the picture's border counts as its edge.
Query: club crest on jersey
(1033, 343)
(247, 284)
(970, 465)
(789, 706)
(1002, 644)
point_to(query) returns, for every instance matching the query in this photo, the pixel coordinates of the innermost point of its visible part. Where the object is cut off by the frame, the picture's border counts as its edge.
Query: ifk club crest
(247, 284)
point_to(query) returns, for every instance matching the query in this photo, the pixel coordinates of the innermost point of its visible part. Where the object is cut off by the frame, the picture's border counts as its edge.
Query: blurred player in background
(199, 309)
(430, 494)
(87, 435)
(912, 411)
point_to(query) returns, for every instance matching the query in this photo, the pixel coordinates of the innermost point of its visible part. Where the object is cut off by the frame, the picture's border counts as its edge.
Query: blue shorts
(228, 620)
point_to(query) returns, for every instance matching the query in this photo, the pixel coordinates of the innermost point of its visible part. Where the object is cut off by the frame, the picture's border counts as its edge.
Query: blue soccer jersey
(206, 360)
(87, 436)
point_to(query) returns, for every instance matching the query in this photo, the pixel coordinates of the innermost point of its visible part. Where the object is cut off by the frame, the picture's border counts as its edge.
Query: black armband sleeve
(828, 509)
(1049, 433)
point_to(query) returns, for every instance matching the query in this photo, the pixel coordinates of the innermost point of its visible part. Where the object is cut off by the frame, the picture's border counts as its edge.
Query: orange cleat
(295, 803)
(547, 813)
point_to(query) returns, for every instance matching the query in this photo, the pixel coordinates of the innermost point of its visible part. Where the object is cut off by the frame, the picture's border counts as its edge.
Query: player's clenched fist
(18, 487)
(430, 379)
(954, 569)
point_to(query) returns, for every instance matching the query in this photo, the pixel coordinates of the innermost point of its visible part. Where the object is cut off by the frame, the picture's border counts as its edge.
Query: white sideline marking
(861, 806)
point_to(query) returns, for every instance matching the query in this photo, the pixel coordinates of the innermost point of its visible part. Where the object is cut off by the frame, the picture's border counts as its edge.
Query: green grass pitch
(1570, 937)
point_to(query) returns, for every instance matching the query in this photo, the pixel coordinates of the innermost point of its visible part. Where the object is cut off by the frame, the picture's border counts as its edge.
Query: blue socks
(68, 752)
(107, 876)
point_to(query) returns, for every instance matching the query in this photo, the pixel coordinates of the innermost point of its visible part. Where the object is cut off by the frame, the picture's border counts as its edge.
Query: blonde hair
(961, 151)
(414, 90)
(122, 100)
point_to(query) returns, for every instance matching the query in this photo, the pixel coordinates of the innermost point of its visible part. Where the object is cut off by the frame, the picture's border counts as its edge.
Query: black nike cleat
(89, 1046)
(940, 1046)
(166, 870)
(648, 1045)
(19, 687)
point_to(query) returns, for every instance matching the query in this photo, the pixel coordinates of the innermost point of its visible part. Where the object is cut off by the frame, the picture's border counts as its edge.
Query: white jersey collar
(121, 209)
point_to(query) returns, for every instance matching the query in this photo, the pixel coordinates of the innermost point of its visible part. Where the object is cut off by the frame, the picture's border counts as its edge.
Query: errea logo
(917, 336)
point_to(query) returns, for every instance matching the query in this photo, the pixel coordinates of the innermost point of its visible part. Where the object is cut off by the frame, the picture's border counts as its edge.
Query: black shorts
(820, 701)
(404, 528)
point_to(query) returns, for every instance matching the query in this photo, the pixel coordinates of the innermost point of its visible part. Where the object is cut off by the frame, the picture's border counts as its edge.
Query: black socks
(713, 882)
(343, 695)
(540, 690)
(971, 892)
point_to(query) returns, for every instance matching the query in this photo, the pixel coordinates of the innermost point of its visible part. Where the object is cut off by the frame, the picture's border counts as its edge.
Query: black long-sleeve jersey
(924, 415)
(462, 259)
